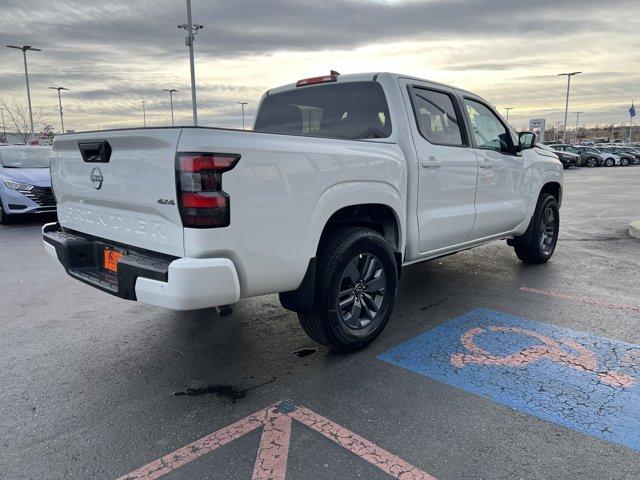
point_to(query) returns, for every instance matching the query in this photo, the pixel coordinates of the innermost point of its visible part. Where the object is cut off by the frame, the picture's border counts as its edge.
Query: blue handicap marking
(581, 381)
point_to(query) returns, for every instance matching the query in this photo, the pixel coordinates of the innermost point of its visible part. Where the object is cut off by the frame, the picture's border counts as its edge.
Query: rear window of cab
(349, 110)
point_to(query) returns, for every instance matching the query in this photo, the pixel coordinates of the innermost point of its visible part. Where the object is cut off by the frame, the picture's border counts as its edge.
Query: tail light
(201, 200)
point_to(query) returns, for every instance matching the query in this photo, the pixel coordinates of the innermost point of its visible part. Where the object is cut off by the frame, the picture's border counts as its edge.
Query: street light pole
(192, 30)
(4, 128)
(566, 106)
(242, 104)
(631, 121)
(24, 49)
(60, 104)
(171, 91)
(507, 109)
(577, 117)
(558, 132)
(144, 115)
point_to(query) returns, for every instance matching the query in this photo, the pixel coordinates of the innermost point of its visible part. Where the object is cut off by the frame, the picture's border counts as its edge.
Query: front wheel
(356, 283)
(624, 162)
(636, 161)
(4, 218)
(609, 162)
(539, 241)
(592, 162)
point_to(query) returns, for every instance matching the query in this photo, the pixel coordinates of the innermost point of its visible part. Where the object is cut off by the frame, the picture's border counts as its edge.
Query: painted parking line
(581, 299)
(273, 451)
(574, 379)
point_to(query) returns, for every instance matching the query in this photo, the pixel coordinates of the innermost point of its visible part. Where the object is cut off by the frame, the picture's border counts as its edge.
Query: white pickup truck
(342, 182)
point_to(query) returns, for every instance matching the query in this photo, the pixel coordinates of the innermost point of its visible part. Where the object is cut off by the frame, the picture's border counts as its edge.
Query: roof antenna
(333, 72)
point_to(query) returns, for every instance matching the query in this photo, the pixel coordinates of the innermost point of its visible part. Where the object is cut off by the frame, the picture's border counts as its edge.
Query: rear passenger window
(436, 117)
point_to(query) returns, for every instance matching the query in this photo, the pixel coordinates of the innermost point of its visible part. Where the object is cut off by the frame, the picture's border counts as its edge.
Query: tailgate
(121, 186)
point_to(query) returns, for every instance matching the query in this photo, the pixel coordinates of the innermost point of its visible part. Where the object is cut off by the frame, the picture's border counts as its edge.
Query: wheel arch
(374, 205)
(553, 188)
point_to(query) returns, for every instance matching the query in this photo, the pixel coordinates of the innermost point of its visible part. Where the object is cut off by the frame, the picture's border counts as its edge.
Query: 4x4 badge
(166, 201)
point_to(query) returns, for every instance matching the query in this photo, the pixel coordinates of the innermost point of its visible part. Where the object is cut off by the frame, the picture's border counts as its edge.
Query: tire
(636, 161)
(592, 162)
(4, 218)
(342, 265)
(539, 241)
(609, 162)
(624, 162)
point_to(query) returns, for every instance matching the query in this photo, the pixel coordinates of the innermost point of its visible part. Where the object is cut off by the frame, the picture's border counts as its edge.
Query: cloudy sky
(114, 54)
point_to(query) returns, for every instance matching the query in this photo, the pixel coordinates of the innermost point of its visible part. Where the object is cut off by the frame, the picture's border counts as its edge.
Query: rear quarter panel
(282, 192)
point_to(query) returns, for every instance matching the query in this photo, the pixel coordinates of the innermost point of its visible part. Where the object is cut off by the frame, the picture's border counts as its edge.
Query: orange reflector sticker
(111, 258)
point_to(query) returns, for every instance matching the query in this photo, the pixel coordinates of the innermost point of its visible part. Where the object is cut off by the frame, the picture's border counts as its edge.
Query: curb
(634, 229)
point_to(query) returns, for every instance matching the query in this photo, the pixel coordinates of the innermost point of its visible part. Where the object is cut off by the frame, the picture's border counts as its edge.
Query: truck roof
(369, 76)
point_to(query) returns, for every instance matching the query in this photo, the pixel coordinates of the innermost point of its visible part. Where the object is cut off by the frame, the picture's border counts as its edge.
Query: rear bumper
(154, 279)
(568, 161)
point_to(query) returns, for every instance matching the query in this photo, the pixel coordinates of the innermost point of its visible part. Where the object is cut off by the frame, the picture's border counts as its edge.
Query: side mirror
(527, 140)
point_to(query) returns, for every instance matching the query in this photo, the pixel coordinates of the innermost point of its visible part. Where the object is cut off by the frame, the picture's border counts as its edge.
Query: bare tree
(17, 117)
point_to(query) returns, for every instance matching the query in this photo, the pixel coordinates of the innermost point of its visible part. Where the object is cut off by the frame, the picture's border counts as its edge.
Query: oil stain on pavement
(574, 379)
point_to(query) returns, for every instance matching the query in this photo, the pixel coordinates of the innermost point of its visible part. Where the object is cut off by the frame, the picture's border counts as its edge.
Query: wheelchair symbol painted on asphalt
(583, 360)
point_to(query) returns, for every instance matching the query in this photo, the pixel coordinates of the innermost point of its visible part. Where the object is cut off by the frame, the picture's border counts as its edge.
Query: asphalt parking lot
(489, 369)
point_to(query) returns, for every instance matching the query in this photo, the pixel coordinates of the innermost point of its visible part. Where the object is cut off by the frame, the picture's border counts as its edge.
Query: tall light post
(577, 119)
(507, 109)
(242, 104)
(192, 30)
(24, 49)
(4, 127)
(144, 115)
(566, 106)
(558, 132)
(632, 113)
(171, 92)
(60, 104)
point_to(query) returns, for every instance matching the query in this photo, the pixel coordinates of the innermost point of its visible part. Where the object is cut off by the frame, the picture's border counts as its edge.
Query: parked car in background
(567, 159)
(635, 152)
(612, 157)
(25, 181)
(624, 153)
(589, 156)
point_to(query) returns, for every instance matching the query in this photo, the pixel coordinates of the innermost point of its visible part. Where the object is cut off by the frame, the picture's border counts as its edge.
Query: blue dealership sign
(575, 379)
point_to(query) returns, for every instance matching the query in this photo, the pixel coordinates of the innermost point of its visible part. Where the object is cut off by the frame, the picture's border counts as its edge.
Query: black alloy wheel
(548, 230)
(362, 291)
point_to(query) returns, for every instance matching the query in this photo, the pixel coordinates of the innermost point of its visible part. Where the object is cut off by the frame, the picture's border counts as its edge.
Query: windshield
(25, 158)
(351, 110)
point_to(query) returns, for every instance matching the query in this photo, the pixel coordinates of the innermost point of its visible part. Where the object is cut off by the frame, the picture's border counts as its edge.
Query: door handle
(486, 164)
(431, 163)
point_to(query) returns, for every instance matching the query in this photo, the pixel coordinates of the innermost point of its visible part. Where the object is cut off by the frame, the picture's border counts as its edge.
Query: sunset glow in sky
(112, 55)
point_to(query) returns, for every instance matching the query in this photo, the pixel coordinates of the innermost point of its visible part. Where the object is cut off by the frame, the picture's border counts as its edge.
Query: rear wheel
(624, 162)
(539, 241)
(636, 161)
(356, 285)
(609, 162)
(592, 162)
